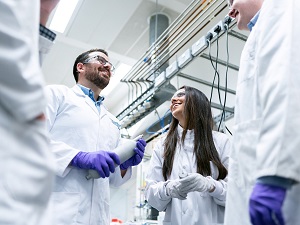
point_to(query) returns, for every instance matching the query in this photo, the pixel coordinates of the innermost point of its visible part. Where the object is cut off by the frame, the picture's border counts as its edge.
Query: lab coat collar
(90, 93)
(189, 133)
(253, 21)
(77, 90)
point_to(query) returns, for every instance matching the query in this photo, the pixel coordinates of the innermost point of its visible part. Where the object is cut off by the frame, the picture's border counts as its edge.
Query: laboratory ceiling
(118, 26)
(122, 28)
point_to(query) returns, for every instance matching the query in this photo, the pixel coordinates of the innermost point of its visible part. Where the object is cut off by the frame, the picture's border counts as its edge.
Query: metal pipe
(205, 82)
(218, 106)
(139, 70)
(238, 35)
(222, 62)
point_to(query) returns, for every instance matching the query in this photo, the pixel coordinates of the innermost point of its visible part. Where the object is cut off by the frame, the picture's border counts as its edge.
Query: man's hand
(101, 161)
(137, 157)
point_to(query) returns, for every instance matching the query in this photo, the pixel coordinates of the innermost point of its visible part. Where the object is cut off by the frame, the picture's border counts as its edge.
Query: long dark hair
(198, 117)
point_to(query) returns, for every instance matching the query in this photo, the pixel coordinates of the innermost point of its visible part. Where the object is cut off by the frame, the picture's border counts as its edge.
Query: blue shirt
(253, 21)
(90, 93)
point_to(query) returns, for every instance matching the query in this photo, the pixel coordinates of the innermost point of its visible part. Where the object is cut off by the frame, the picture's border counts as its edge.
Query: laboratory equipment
(124, 151)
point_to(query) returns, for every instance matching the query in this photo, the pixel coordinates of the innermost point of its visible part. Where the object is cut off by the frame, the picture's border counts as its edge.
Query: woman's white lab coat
(199, 207)
(76, 125)
(26, 164)
(266, 134)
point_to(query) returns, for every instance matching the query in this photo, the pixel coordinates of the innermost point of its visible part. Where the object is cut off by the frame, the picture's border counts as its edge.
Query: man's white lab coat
(75, 124)
(266, 133)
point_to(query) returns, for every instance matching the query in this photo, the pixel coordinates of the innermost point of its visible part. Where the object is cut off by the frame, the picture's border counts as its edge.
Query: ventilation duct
(158, 24)
(152, 98)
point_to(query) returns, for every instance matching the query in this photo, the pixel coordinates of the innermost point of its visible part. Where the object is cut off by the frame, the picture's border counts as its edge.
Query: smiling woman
(177, 106)
(193, 149)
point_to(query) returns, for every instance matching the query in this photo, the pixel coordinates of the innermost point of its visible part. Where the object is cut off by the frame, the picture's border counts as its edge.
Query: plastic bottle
(124, 151)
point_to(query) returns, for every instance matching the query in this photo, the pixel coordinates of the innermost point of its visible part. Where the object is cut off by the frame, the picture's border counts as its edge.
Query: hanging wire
(216, 74)
(216, 71)
(226, 79)
(226, 76)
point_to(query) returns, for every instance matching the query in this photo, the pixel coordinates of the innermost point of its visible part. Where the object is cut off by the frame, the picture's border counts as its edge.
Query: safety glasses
(101, 60)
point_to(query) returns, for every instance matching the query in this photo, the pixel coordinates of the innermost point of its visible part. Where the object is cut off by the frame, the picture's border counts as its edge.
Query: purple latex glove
(137, 157)
(265, 204)
(101, 161)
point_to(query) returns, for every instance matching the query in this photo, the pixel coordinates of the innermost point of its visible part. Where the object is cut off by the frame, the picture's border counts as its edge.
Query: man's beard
(97, 79)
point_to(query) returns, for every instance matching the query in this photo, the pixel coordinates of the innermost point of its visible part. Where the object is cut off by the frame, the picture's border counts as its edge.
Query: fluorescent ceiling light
(120, 72)
(63, 15)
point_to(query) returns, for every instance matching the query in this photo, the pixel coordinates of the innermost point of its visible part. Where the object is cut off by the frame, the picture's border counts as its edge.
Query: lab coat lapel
(87, 99)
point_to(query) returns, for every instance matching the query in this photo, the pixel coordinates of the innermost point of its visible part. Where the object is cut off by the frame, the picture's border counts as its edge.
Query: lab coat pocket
(244, 148)
(65, 207)
(28, 163)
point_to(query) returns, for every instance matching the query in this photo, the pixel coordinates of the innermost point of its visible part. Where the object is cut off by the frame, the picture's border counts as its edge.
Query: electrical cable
(216, 74)
(213, 83)
(228, 130)
(216, 71)
(226, 81)
(226, 78)
(217, 58)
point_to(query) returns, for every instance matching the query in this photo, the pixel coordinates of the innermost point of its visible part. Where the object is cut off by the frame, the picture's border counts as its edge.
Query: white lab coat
(76, 125)
(26, 163)
(266, 133)
(200, 207)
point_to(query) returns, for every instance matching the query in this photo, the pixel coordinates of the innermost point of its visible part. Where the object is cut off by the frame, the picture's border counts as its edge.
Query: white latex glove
(196, 182)
(173, 190)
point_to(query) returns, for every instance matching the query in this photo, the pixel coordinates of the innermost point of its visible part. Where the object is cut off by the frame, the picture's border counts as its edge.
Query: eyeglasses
(101, 60)
(178, 94)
